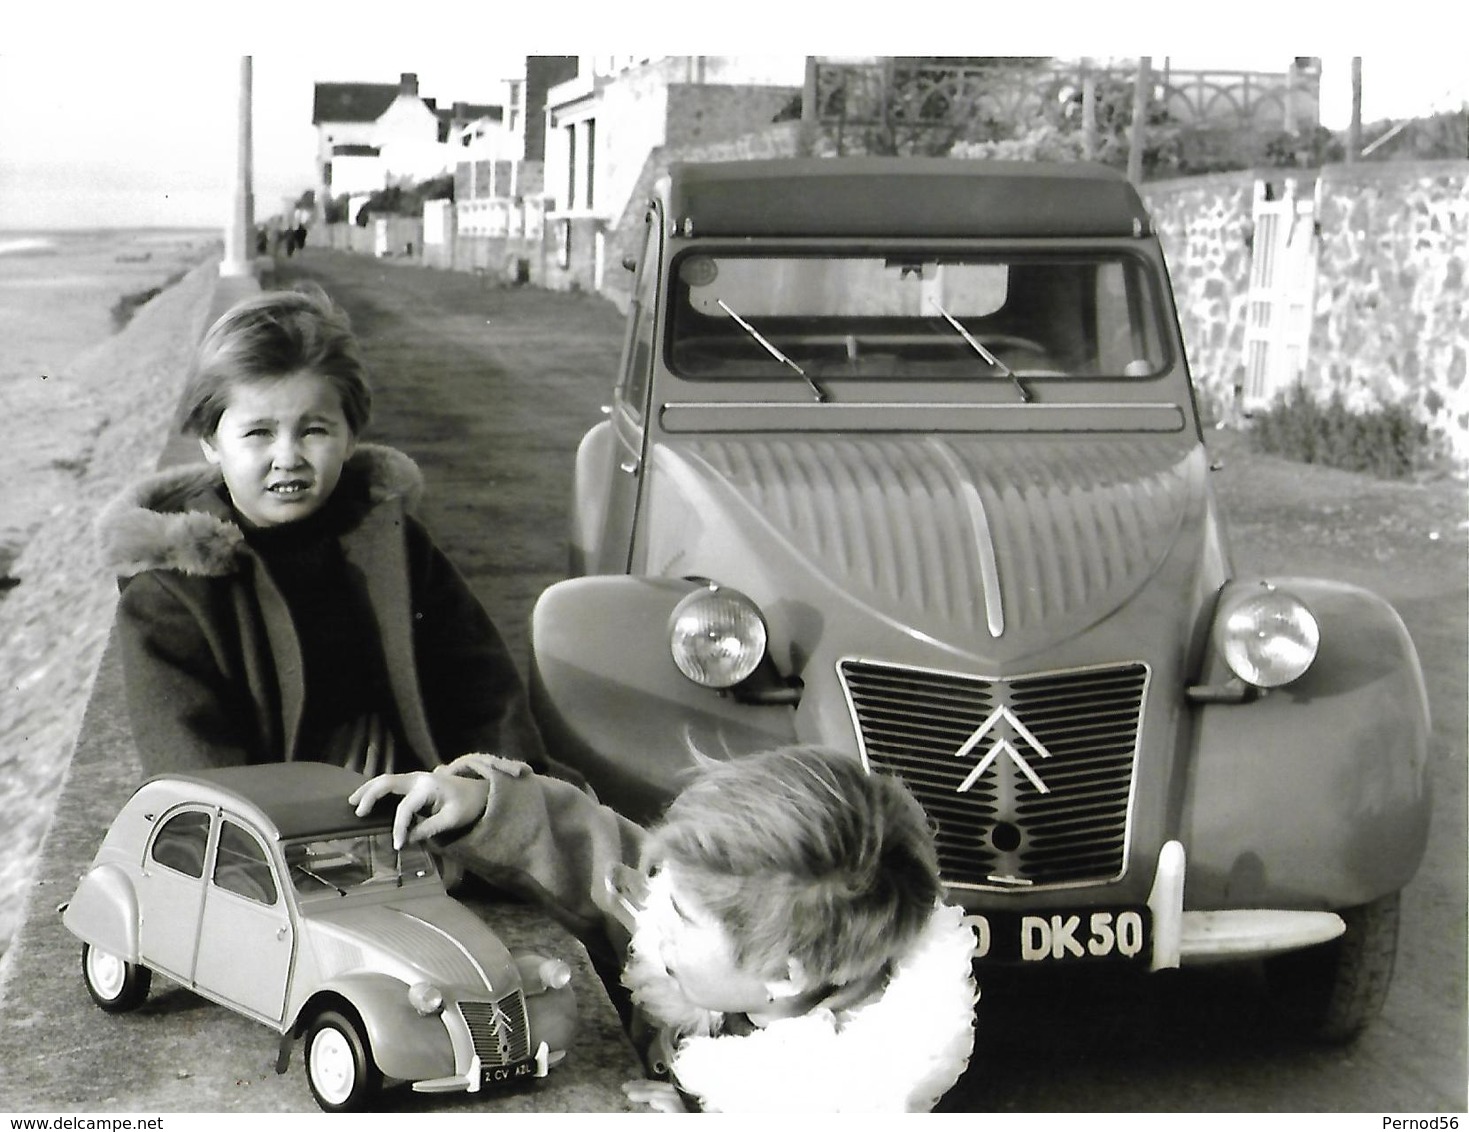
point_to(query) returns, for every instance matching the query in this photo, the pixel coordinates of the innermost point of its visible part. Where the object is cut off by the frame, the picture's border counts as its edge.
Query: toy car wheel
(114, 984)
(1331, 992)
(339, 1065)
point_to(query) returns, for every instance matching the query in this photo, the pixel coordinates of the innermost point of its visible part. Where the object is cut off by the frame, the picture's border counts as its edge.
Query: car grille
(499, 1030)
(1002, 831)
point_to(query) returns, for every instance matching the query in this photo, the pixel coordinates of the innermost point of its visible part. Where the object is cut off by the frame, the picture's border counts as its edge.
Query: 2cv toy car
(904, 458)
(259, 888)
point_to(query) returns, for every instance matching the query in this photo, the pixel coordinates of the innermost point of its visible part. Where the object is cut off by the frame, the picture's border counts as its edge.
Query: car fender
(104, 912)
(550, 1011)
(605, 690)
(405, 1044)
(589, 496)
(1315, 794)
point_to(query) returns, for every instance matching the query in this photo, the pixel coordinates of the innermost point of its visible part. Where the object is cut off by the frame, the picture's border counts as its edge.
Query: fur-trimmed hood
(899, 1052)
(176, 520)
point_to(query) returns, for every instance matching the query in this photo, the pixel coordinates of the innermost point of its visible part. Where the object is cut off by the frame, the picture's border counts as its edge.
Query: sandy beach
(83, 405)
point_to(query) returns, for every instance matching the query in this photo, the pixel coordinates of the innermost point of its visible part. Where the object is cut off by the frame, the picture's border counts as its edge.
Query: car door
(171, 891)
(246, 938)
(629, 410)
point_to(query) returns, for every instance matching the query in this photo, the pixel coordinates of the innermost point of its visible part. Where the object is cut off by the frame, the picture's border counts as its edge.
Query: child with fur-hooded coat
(280, 601)
(785, 942)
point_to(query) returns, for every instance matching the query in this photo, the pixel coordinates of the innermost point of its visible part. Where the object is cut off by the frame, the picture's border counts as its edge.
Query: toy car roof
(902, 197)
(297, 799)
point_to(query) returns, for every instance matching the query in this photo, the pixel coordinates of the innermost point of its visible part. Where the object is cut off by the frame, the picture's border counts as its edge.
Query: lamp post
(239, 242)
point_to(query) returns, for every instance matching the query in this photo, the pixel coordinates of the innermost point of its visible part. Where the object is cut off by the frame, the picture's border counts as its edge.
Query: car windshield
(340, 864)
(939, 317)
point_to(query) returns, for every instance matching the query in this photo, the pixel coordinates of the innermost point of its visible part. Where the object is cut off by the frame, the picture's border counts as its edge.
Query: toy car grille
(1028, 780)
(499, 1030)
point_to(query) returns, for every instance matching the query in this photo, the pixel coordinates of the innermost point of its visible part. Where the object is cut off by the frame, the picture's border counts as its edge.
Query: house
(498, 186)
(370, 135)
(603, 122)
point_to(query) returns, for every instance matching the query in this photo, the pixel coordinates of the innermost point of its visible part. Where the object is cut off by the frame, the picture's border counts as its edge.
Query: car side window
(241, 866)
(638, 357)
(181, 841)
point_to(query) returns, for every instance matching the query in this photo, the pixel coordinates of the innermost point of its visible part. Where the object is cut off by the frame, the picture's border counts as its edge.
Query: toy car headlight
(554, 973)
(717, 636)
(1268, 637)
(426, 998)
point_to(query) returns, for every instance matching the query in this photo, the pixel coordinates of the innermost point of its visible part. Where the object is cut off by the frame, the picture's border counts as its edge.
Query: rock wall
(1390, 322)
(1392, 303)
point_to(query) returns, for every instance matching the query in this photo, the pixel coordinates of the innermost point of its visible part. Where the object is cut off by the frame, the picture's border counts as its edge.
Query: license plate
(493, 1076)
(1093, 935)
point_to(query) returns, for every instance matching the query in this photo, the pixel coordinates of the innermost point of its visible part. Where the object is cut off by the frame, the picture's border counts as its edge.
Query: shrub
(1389, 441)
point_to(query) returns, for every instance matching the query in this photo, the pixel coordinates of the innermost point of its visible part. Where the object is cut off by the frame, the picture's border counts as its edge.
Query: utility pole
(239, 237)
(1354, 130)
(1088, 112)
(1138, 135)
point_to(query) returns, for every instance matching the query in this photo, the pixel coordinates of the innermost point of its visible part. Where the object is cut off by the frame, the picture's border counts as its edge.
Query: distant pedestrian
(280, 601)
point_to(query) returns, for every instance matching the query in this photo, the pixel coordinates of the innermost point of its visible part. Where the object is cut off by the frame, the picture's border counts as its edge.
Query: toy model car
(259, 888)
(903, 458)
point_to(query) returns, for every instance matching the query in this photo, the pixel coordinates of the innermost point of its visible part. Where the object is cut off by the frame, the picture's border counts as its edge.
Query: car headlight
(717, 636)
(1268, 637)
(426, 998)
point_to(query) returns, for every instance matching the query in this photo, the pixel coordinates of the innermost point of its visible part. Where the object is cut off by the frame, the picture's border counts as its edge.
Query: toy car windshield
(342, 864)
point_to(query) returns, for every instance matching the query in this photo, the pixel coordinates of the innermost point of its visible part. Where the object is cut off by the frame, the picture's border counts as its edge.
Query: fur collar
(899, 1052)
(173, 520)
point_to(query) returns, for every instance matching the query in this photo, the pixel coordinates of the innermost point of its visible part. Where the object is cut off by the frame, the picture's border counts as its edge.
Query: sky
(134, 124)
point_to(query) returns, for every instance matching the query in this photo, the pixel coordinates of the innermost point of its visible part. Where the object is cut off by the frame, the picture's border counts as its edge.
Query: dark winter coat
(212, 659)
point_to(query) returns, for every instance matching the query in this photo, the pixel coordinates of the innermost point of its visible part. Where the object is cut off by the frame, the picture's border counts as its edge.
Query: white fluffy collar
(899, 1052)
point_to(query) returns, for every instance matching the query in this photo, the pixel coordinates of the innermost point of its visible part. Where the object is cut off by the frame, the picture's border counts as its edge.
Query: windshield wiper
(318, 878)
(771, 349)
(978, 348)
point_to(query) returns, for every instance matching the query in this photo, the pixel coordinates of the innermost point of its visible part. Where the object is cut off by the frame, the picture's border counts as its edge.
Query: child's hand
(452, 801)
(660, 1095)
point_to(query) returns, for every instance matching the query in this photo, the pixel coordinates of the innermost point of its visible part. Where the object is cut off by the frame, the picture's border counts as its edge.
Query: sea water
(58, 288)
(58, 294)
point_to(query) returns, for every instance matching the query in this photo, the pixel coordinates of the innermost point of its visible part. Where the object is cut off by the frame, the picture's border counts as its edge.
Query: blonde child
(789, 949)
(279, 601)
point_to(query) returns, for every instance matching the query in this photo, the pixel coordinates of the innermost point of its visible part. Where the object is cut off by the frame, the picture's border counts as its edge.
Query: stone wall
(1391, 311)
(700, 114)
(1392, 300)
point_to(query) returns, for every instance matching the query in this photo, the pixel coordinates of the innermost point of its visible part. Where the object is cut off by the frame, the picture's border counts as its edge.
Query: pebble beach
(85, 404)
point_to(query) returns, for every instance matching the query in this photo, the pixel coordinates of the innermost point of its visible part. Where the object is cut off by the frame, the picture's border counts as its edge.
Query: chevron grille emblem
(503, 1030)
(1002, 746)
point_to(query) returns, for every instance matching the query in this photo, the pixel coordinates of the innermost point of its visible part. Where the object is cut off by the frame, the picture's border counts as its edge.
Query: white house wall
(630, 108)
(356, 174)
(332, 134)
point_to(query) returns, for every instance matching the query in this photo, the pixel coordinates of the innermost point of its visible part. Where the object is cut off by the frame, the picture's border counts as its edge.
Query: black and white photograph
(792, 581)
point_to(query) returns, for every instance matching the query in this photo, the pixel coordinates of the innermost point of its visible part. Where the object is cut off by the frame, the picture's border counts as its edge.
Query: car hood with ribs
(986, 548)
(414, 938)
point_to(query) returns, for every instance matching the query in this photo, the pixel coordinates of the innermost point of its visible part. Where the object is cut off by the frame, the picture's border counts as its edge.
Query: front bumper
(471, 1080)
(1181, 937)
